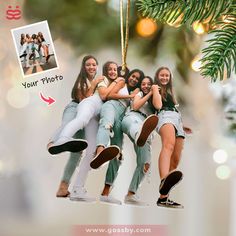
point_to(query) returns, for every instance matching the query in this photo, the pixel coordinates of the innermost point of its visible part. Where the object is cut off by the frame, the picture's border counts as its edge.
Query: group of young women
(105, 107)
(29, 45)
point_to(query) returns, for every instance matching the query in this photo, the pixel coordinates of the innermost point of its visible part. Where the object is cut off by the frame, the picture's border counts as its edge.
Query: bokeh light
(100, 1)
(18, 98)
(220, 156)
(146, 27)
(223, 172)
(198, 28)
(196, 64)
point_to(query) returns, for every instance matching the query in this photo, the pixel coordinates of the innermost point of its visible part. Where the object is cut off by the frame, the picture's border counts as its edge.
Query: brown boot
(63, 190)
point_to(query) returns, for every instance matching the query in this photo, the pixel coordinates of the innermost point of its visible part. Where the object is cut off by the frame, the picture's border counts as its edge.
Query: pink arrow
(48, 100)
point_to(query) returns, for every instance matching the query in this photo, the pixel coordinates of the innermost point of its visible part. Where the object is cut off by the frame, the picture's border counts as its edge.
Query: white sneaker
(110, 199)
(134, 200)
(80, 194)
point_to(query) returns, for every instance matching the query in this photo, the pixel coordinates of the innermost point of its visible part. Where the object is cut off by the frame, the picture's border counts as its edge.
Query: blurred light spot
(146, 27)
(220, 156)
(198, 28)
(18, 98)
(223, 172)
(100, 1)
(196, 64)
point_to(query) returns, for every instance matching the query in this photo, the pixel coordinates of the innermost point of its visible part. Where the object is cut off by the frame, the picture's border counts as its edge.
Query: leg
(69, 114)
(168, 138)
(84, 167)
(176, 155)
(40, 55)
(45, 50)
(79, 193)
(86, 110)
(167, 133)
(131, 124)
(73, 160)
(106, 123)
(118, 137)
(143, 157)
(109, 132)
(114, 164)
(117, 140)
(110, 177)
(67, 174)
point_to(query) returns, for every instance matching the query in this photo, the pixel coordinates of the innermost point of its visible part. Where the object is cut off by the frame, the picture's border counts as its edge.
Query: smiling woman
(171, 130)
(86, 110)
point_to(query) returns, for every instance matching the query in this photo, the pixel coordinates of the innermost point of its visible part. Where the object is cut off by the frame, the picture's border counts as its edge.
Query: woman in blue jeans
(84, 86)
(110, 132)
(86, 110)
(141, 112)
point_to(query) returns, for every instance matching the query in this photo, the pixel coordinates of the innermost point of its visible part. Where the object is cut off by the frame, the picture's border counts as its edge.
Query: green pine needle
(220, 56)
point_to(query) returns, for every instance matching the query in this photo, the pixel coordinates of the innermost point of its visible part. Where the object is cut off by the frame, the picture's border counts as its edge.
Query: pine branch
(220, 55)
(169, 11)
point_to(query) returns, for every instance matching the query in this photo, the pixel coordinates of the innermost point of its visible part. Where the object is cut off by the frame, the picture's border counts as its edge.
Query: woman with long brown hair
(84, 86)
(172, 132)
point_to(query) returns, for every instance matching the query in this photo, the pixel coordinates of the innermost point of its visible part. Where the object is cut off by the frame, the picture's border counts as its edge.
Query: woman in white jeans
(86, 110)
(84, 86)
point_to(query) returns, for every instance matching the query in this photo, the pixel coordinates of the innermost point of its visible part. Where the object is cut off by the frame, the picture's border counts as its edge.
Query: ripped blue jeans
(131, 125)
(110, 133)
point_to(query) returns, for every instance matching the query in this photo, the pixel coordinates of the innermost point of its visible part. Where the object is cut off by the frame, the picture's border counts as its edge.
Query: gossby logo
(120, 230)
(13, 14)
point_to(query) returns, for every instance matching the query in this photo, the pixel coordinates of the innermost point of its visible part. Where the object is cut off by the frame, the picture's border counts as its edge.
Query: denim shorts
(171, 117)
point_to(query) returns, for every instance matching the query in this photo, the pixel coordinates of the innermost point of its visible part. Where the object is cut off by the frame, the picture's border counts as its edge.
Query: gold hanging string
(124, 41)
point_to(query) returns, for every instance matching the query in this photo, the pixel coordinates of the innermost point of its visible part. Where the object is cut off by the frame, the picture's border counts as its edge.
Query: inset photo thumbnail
(34, 48)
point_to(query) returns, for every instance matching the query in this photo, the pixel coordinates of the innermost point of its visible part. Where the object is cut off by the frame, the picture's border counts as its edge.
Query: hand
(151, 92)
(155, 88)
(98, 79)
(132, 95)
(187, 130)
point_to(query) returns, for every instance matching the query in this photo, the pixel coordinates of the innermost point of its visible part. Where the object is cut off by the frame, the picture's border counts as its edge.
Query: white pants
(84, 166)
(87, 109)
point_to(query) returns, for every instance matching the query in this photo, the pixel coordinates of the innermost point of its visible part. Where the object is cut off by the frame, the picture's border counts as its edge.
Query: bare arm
(114, 94)
(156, 99)
(89, 91)
(94, 84)
(139, 102)
(104, 91)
